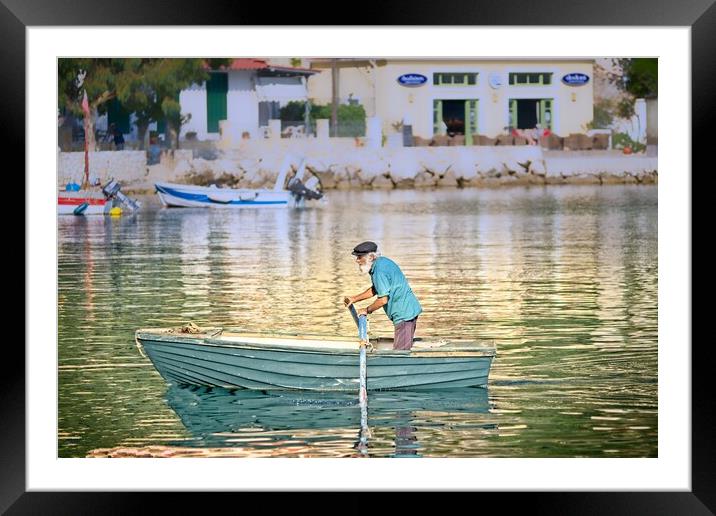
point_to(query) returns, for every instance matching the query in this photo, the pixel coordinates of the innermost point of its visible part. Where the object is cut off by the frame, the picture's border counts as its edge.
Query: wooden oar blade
(354, 314)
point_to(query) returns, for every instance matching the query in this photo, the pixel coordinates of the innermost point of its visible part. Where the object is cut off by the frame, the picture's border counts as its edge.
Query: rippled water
(563, 279)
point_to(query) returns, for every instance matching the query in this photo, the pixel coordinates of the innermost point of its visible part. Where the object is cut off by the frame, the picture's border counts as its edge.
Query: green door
(437, 115)
(216, 88)
(470, 120)
(545, 113)
(513, 113)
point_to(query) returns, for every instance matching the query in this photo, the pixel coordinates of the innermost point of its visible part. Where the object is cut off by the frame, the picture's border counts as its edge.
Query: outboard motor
(112, 191)
(301, 191)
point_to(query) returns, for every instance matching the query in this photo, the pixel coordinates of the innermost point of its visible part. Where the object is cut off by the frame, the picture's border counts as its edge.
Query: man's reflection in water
(406, 442)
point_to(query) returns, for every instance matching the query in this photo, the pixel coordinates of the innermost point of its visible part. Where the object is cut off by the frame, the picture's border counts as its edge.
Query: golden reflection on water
(564, 280)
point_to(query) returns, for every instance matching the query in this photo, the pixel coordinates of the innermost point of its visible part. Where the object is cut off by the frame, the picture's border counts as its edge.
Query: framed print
(665, 467)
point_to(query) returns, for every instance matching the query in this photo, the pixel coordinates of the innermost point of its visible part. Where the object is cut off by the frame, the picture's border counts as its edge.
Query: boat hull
(190, 196)
(97, 204)
(275, 364)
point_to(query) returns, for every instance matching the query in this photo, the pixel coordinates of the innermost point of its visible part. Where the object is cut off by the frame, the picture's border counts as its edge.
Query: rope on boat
(190, 328)
(139, 346)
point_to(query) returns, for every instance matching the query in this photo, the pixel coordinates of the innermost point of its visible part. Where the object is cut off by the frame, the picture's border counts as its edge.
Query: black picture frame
(16, 15)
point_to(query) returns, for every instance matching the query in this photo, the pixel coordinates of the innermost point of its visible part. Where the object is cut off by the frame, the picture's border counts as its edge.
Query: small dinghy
(217, 357)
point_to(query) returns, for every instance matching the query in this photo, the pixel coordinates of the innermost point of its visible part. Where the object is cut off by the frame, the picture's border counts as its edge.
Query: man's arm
(378, 303)
(369, 292)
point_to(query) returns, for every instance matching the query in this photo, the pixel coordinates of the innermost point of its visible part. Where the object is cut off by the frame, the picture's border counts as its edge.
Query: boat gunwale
(178, 186)
(204, 340)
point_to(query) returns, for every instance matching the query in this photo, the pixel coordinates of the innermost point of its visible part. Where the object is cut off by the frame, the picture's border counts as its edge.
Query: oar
(362, 323)
(363, 337)
(354, 314)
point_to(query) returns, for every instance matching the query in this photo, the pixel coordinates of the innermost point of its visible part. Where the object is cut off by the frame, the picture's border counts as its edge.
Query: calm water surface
(563, 279)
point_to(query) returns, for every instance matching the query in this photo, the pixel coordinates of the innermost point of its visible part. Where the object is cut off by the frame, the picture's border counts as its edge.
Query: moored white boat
(280, 196)
(97, 203)
(192, 196)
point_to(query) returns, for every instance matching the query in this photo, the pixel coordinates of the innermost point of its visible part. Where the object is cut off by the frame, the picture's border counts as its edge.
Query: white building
(469, 96)
(246, 94)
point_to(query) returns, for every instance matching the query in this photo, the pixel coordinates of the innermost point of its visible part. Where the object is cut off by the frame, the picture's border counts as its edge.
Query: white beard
(365, 267)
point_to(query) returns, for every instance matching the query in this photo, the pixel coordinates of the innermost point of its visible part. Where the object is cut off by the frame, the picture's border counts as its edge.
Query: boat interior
(320, 341)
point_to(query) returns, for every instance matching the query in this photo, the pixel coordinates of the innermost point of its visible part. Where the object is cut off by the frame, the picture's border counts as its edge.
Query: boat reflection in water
(221, 418)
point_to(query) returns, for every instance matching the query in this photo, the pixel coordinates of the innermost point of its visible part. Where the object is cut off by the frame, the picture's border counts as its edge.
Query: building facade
(463, 96)
(246, 95)
(241, 98)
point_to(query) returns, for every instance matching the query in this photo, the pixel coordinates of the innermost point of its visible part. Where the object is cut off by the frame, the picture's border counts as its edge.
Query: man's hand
(348, 300)
(362, 311)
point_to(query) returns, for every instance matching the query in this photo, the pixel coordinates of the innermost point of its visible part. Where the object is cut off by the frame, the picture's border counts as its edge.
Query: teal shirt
(388, 280)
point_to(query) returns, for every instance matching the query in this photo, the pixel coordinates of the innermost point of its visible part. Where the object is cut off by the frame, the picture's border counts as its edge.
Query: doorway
(528, 113)
(455, 117)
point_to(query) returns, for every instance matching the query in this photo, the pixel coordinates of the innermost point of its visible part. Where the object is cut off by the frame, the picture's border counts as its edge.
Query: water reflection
(219, 417)
(563, 280)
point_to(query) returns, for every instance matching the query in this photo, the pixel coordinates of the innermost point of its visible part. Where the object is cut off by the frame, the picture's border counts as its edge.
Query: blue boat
(216, 357)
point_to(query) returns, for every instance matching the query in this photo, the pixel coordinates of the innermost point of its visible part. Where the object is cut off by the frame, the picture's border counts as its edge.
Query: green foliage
(625, 108)
(294, 111)
(147, 87)
(351, 118)
(640, 77)
(603, 115)
(622, 140)
(102, 78)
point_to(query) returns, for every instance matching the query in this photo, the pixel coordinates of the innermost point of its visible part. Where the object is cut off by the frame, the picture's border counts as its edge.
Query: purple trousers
(404, 333)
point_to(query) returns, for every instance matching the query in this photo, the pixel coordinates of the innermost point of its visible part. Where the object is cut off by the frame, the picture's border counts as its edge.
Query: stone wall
(340, 164)
(125, 166)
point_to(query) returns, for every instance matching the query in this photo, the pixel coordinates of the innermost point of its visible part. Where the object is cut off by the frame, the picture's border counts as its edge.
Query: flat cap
(364, 248)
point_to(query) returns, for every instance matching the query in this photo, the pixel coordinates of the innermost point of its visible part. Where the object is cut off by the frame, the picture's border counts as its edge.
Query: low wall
(125, 166)
(341, 165)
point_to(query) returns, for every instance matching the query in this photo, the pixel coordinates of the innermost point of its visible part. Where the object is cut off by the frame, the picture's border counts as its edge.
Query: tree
(157, 97)
(603, 118)
(99, 77)
(639, 78)
(147, 87)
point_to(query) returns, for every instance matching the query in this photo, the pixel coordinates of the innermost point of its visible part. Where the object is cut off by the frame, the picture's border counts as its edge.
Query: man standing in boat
(393, 292)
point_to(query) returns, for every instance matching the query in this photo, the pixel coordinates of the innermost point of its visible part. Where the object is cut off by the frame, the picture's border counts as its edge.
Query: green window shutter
(545, 118)
(216, 89)
(470, 120)
(437, 115)
(117, 115)
(513, 113)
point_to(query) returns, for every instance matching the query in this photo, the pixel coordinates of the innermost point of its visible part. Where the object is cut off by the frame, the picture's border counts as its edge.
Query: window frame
(513, 76)
(438, 79)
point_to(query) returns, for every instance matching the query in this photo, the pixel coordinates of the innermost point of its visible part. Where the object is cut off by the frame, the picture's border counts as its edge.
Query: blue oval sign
(575, 79)
(412, 79)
